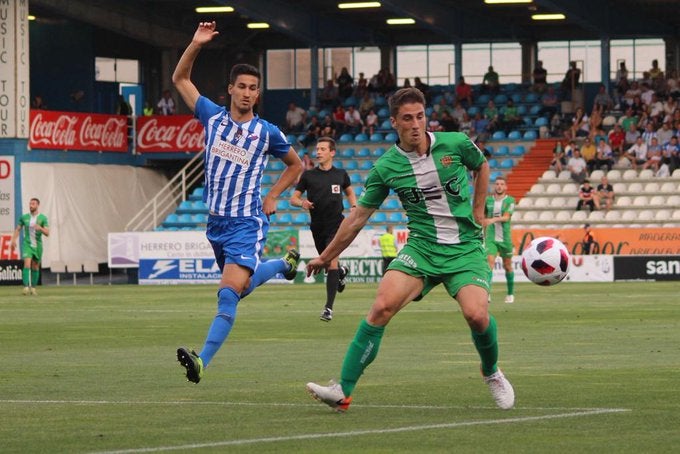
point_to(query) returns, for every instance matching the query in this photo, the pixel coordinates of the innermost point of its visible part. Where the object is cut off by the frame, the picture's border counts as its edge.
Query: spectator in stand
(481, 126)
(576, 165)
(353, 122)
(345, 84)
(656, 111)
(569, 149)
(671, 154)
(622, 83)
(540, 75)
(458, 112)
(328, 127)
(670, 105)
(510, 116)
(604, 156)
(423, 87)
(38, 103)
(329, 98)
(481, 144)
(656, 75)
(313, 132)
(602, 100)
(604, 194)
(447, 122)
(627, 119)
(633, 91)
(463, 92)
(559, 162)
(339, 122)
(586, 196)
(637, 154)
(598, 135)
(148, 109)
(654, 152)
(491, 113)
(465, 125)
(632, 134)
(490, 82)
(166, 105)
(617, 139)
(664, 133)
(433, 124)
(589, 243)
(649, 134)
(371, 122)
(549, 103)
(571, 79)
(588, 153)
(362, 87)
(367, 104)
(580, 125)
(295, 118)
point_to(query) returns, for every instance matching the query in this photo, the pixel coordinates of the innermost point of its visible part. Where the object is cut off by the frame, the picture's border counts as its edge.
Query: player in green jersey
(498, 239)
(34, 226)
(429, 173)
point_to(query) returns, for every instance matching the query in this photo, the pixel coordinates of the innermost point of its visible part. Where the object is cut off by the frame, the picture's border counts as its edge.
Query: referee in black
(324, 185)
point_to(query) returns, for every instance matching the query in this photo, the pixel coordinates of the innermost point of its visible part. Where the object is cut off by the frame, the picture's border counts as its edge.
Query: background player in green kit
(34, 225)
(498, 239)
(429, 173)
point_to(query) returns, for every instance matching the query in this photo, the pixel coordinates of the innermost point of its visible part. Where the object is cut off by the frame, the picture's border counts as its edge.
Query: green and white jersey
(499, 231)
(32, 237)
(433, 189)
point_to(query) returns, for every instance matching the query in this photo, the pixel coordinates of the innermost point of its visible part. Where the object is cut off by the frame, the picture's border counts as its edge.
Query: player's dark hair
(405, 96)
(329, 140)
(243, 68)
(501, 177)
(36, 199)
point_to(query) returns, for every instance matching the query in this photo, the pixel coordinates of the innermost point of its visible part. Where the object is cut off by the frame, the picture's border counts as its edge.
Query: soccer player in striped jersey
(238, 145)
(429, 173)
(498, 239)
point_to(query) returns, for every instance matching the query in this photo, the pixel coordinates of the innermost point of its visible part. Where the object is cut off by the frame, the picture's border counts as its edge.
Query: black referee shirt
(325, 190)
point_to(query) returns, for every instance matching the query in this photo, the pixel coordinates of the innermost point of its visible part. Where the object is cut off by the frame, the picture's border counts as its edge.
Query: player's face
(324, 154)
(244, 93)
(33, 206)
(500, 187)
(410, 125)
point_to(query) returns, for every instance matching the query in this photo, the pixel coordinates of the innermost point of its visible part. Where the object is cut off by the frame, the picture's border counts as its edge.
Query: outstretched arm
(182, 75)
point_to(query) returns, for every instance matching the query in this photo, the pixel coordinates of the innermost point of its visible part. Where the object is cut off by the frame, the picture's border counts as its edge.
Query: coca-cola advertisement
(169, 133)
(77, 131)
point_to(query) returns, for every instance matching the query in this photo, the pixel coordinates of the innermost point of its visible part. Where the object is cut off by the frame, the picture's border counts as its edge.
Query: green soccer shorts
(453, 265)
(502, 248)
(30, 252)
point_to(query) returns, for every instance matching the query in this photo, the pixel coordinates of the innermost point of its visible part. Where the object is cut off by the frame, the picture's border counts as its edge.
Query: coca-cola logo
(77, 131)
(158, 134)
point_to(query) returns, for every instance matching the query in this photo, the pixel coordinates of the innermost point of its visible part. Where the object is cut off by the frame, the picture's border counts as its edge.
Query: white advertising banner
(22, 101)
(583, 268)
(7, 196)
(8, 85)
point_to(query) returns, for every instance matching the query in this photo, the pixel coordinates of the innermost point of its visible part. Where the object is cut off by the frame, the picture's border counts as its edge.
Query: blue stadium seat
(366, 165)
(494, 175)
(285, 218)
(493, 163)
(531, 98)
(266, 178)
(378, 152)
(521, 110)
(339, 164)
(197, 193)
(351, 165)
(355, 178)
(199, 205)
(473, 110)
(323, 113)
(377, 137)
(185, 205)
(428, 111)
(515, 135)
(291, 139)
(172, 218)
(345, 138)
(500, 99)
(379, 216)
(507, 163)
(535, 110)
(300, 219)
(282, 205)
(391, 137)
(483, 99)
(498, 135)
(530, 135)
(275, 164)
(386, 124)
(516, 98)
(380, 101)
(361, 137)
(364, 153)
(185, 219)
(347, 153)
(383, 113)
(395, 217)
(200, 218)
(527, 121)
(264, 191)
(392, 204)
(519, 150)
(503, 150)
(541, 121)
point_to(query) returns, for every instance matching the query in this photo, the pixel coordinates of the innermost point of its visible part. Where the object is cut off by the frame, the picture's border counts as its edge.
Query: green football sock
(26, 276)
(361, 352)
(486, 344)
(510, 280)
(35, 275)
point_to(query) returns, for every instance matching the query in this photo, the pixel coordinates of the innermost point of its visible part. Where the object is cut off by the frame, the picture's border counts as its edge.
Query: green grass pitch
(92, 369)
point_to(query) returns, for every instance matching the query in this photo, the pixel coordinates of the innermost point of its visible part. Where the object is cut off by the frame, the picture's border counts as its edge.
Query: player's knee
(381, 312)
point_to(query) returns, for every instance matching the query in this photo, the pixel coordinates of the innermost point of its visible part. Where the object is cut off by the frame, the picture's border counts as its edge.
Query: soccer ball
(546, 261)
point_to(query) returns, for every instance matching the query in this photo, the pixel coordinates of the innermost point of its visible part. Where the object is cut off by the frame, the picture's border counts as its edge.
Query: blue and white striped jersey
(235, 157)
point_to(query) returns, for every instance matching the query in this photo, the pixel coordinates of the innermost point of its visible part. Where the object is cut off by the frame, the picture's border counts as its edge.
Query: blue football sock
(264, 272)
(227, 300)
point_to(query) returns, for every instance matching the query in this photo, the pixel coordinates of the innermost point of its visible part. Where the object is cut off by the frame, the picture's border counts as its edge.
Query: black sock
(332, 279)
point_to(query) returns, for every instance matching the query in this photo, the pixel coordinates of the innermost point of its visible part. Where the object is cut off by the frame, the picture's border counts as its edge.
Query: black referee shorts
(323, 234)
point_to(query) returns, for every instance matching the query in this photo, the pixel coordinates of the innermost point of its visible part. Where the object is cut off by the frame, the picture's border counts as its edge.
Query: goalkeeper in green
(34, 225)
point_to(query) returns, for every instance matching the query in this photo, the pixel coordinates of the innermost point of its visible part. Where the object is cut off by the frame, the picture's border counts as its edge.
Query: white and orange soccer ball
(546, 261)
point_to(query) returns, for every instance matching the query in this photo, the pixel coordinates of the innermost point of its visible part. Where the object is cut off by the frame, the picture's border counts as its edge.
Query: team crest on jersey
(446, 161)
(335, 188)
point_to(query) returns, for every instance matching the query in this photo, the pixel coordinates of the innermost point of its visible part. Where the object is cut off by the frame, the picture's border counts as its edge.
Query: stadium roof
(304, 23)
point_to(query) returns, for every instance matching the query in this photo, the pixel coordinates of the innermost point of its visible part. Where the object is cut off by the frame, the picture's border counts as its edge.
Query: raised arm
(181, 78)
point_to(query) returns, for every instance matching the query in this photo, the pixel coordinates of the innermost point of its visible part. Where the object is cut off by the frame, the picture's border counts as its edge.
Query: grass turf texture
(93, 369)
